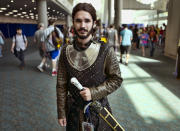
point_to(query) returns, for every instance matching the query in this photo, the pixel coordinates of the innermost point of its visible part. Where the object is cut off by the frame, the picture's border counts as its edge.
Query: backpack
(56, 40)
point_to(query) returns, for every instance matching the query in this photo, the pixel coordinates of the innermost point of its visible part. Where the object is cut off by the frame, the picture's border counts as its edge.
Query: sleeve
(42, 37)
(13, 40)
(131, 35)
(25, 38)
(114, 80)
(61, 88)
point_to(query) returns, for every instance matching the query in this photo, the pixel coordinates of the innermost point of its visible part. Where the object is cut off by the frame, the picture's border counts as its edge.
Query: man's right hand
(62, 122)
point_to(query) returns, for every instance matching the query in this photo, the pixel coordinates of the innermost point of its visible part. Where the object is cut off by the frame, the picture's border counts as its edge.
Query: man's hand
(12, 50)
(26, 44)
(86, 94)
(62, 122)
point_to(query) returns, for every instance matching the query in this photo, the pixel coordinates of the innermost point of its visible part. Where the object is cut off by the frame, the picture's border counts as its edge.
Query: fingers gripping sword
(102, 111)
(76, 83)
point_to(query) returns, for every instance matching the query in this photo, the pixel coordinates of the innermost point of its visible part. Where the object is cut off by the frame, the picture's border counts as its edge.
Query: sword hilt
(106, 116)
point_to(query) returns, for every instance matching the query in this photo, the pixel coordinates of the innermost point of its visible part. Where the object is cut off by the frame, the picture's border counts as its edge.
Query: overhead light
(8, 5)
(3, 8)
(146, 1)
(19, 14)
(49, 8)
(33, 1)
(1, 11)
(30, 11)
(15, 15)
(25, 5)
(15, 10)
(53, 10)
(20, 8)
(7, 14)
(31, 14)
(58, 12)
(12, 0)
(22, 16)
(23, 12)
(10, 13)
(34, 8)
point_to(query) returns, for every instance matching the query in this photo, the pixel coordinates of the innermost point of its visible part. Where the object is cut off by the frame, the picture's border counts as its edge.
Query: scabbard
(106, 116)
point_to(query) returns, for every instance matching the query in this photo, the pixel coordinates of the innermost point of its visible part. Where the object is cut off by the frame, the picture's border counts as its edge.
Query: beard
(83, 36)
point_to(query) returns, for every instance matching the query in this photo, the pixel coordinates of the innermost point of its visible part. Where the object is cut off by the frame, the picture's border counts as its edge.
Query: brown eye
(78, 20)
(87, 20)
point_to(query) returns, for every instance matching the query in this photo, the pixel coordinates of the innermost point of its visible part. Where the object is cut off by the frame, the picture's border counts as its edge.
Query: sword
(102, 111)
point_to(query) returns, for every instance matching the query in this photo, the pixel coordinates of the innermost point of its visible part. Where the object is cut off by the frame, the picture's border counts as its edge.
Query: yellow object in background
(59, 41)
(58, 46)
(67, 40)
(104, 39)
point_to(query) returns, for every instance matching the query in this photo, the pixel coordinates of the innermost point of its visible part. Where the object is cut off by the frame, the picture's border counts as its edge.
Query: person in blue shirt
(125, 43)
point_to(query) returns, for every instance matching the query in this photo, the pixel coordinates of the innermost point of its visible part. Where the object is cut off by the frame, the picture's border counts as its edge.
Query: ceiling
(28, 9)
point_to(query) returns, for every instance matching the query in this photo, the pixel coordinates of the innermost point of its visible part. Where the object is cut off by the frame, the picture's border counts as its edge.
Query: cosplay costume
(96, 67)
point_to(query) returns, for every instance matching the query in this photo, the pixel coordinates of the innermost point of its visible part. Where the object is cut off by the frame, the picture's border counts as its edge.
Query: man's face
(19, 31)
(83, 24)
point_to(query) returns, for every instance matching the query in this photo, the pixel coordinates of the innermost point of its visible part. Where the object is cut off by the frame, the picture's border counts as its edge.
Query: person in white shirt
(19, 45)
(50, 48)
(40, 44)
(112, 36)
(2, 38)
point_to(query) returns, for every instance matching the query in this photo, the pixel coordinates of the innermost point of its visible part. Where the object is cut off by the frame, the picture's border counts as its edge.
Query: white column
(105, 17)
(42, 12)
(173, 29)
(68, 20)
(118, 5)
(109, 12)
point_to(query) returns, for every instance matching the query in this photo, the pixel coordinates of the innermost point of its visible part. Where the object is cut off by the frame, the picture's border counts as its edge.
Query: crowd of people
(85, 49)
(49, 42)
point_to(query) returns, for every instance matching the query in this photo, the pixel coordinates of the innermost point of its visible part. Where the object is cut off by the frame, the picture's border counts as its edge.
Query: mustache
(82, 29)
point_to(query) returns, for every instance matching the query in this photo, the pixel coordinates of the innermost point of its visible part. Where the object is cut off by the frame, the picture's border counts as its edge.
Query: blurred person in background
(19, 45)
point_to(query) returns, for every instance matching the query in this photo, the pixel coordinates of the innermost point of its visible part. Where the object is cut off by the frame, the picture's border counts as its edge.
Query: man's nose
(83, 24)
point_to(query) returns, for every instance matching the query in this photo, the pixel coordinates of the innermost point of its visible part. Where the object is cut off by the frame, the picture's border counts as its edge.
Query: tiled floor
(148, 100)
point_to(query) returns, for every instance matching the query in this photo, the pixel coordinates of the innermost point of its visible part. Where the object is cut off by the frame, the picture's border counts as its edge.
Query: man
(112, 37)
(153, 38)
(38, 40)
(19, 45)
(135, 39)
(2, 38)
(125, 43)
(49, 46)
(96, 68)
(178, 62)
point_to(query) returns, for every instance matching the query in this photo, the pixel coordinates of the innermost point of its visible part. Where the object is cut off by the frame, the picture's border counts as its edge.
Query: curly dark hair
(85, 7)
